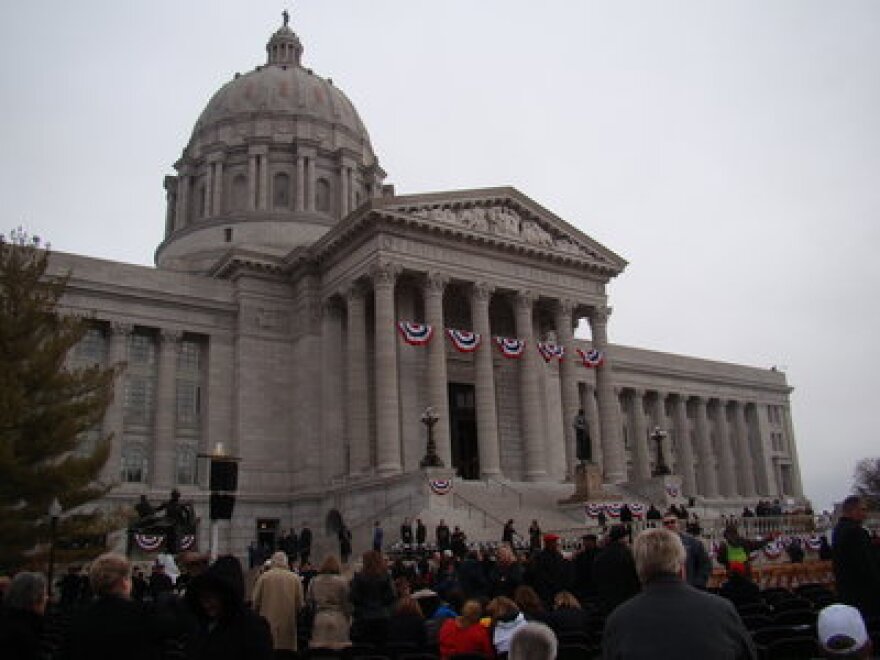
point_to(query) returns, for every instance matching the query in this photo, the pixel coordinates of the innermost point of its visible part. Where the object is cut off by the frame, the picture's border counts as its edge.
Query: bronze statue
(583, 448)
(178, 520)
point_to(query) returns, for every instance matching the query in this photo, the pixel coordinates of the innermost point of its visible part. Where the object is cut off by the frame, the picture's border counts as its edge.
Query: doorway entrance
(463, 430)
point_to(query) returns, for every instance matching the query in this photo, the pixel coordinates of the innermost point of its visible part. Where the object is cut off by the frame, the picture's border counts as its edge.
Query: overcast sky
(729, 151)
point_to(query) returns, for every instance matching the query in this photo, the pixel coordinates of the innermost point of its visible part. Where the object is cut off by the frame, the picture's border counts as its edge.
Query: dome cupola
(277, 157)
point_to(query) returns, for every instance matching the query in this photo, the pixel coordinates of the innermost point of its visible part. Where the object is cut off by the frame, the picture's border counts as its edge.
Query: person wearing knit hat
(842, 632)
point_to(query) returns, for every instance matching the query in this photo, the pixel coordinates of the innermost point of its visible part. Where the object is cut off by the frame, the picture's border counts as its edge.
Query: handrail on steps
(505, 487)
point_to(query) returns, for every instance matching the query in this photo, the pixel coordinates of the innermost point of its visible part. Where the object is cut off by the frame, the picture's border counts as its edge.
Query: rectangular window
(189, 357)
(186, 465)
(138, 398)
(188, 403)
(91, 349)
(141, 349)
(134, 464)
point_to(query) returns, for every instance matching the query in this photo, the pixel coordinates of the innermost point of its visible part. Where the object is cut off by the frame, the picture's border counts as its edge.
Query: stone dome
(276, 158)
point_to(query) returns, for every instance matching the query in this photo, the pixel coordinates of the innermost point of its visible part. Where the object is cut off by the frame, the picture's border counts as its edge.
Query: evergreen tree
(46, 407)
(867, 481)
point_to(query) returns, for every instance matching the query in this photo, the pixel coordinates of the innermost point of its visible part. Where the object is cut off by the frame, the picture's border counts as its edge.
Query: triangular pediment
(504, 216)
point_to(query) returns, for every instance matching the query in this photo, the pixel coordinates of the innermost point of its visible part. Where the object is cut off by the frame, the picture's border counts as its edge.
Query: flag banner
(440, 486)
(592, 358)
(773, 550)
(152, 542)
(549, 350)
(415, 334)
(638, 509)
(464, 341)
(672, 491)
(510, 347)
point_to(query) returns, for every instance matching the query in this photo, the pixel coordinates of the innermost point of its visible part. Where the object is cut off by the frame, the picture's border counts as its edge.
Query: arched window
(238, 193)
(134, 464)
(322, 196)
(280, 190)
(185, 464)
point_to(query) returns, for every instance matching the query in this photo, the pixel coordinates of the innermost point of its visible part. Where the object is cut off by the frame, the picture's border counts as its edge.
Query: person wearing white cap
(842, 632)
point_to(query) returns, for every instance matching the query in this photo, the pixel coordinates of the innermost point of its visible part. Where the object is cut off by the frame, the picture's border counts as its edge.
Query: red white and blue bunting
(440, 486)
(673, 491)
(592, 358)
(510, 347)
(152, 542)
(463, 340)
(612, 509)
(415, 334)
(549, 350)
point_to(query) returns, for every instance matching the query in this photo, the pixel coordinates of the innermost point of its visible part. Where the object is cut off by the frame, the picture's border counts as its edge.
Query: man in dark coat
(584, 585)
(112, 626)
(856, 569)
(669, 618)
(698, 565)
(406, 532)
(549, 572)
(443, 537)
(21, 619)
(305, 544)
(421, 532)
(614, 571)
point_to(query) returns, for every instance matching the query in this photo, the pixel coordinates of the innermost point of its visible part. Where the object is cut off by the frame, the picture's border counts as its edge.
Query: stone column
(209, 190)
(166, 410)
(114, 417)
(438, 396)
(332, 394)
(707, 455)
(264, 180)
(639, 437)
(609, 406)
(182, 215)
(300, 183)
(591, 410)
(745, 465)
(568, 381)
(311, 183)
(484, 384)
(387, 403)
(358, 425)
(762, 460)
(170, 184)
(726, 472)
(217, 205)
(685, 458)
(343, 189)
(796, 482)
(535, 458)
(252, 181)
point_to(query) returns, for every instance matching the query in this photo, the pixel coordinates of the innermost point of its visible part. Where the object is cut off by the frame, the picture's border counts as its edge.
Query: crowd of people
(618, 596)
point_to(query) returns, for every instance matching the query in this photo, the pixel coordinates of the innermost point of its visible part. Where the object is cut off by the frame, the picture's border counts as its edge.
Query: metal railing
(505, 488)
(472, 506)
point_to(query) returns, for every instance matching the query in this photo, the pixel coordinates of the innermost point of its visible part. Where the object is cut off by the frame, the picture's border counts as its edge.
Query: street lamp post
(54, 515)
(429, 419)
(660, 469)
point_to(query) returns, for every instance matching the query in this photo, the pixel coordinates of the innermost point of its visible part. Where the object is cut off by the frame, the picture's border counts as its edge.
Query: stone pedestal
(662, 491)
(587, 484)
(437, 499)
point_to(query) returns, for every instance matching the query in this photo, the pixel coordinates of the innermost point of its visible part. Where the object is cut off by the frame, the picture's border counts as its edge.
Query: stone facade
(270, 328)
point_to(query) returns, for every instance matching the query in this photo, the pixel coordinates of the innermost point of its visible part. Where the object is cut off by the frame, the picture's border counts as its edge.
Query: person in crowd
(278, 598)
(626, 514)
(614, 570)
(842, 633)
(506, 573)
(582, 564)
(139, 585)
(372, 597)
(534, 641)
(534, 537)
(825, 552)
(567, 616)
(442, 536)
(736, 549)
(508, 533)
(699, 565)
(795, 551)
(328, 596)
(160, 582)
(378, 537)
(21, 619)
(465, 633)
(529, 603)
(436, 611)
(653, 514)
(747, 512)
(739, 588)
(855, 561)
(548, 571)
(112, 625)
(421, 533)
(459, 542)
(70, 588)
(193, 564)
(602, 519)
(407, 623)
(304, 544)
(227, 629)
(472, 578)
(669, 618)
(506, 619)
(406, 532)
(344, 536)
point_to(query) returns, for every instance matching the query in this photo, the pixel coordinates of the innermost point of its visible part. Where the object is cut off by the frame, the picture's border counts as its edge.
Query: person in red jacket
(465, 633)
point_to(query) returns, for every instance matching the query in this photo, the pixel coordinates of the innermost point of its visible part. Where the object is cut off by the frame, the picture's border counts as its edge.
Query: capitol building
(302, 317)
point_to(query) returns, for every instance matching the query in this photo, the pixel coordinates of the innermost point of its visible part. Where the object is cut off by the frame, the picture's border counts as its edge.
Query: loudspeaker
(221, 506)
(224, 475)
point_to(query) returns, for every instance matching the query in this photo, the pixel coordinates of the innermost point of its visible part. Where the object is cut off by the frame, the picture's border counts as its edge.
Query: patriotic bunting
(592, 358)
(152, 542)
(549, 350)
(440, 486)
(464, 341)
(415, 334)
(510, 347)
(612, 509)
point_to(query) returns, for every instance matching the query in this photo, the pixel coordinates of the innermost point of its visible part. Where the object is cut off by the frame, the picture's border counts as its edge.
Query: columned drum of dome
(278, 156)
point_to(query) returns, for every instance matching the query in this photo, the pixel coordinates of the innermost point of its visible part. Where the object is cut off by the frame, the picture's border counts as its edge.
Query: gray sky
(729, 150)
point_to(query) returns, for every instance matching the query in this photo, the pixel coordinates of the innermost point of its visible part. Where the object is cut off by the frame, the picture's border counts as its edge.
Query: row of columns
(179, 198)
(387, 458)
(726, 467)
